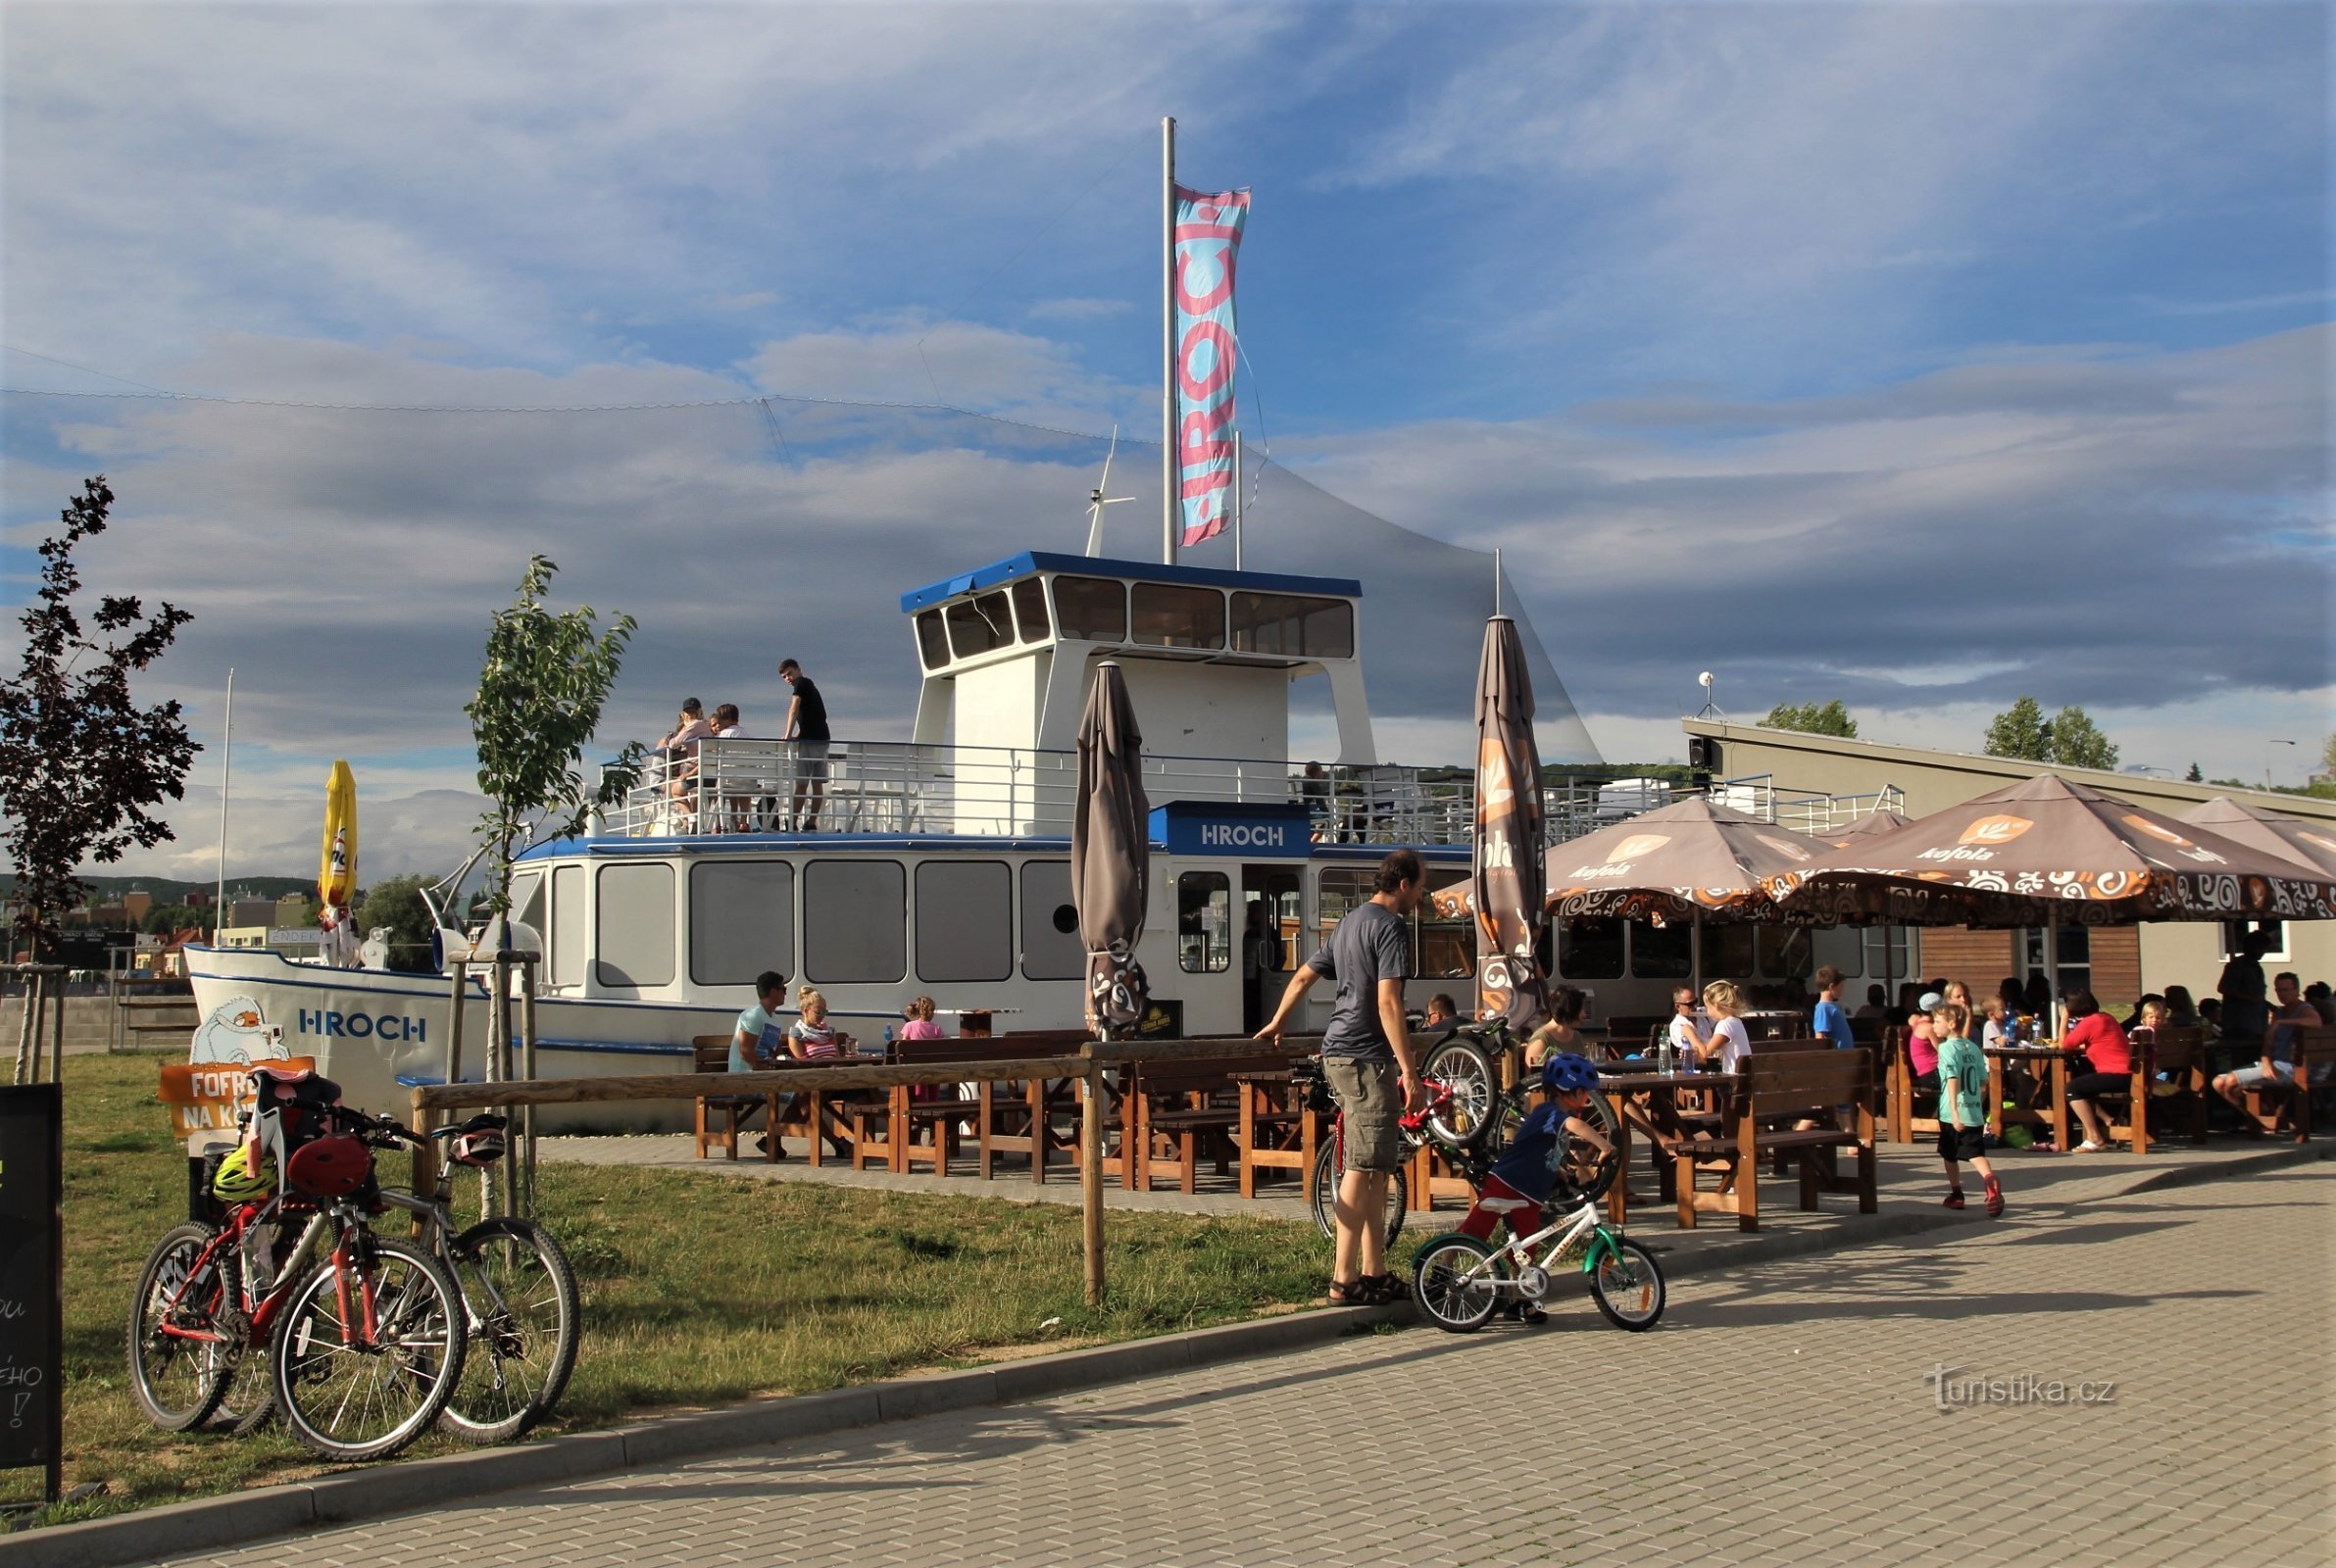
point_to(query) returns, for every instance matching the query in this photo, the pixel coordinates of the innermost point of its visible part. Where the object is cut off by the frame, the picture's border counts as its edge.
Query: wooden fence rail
(1088, 1066)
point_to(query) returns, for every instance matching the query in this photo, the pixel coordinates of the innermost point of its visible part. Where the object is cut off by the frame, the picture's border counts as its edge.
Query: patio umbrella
(1505, 868)
(2311, 844)
(1111, 854)
(1872, 825)
(2050, 853)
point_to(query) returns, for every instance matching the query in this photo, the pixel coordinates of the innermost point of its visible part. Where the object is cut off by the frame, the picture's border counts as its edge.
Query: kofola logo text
(1979, 840)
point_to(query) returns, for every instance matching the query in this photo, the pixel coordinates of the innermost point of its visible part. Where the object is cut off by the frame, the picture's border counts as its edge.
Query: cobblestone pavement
(1780, 1414)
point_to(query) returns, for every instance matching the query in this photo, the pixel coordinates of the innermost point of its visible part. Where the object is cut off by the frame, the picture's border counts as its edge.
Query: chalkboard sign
(32, 1275)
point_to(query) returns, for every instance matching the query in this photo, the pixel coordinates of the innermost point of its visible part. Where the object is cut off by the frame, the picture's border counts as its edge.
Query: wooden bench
(711, 1054)
(1010, 1122)
(939, 1113)
(2179, 1055)
(1907, 1102)
(1782, 1088)
(1174, 1112)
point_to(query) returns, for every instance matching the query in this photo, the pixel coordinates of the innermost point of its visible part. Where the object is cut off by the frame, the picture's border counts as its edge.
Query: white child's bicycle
(1459, 1281)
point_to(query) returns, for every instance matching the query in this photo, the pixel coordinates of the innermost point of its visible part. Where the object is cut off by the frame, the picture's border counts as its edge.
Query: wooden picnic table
(1267, 1137)
(2050, 1083)
(1650, 1102)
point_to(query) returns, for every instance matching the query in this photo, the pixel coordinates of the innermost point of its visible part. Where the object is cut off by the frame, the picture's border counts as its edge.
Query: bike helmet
(481, 1142)
(330, 1167)
(241, 1178)
(1566, 1071)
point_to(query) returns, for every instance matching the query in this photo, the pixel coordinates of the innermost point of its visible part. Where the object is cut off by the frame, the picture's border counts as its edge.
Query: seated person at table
(2278, 1065)
(1518, 1186)
(2134, 1019)
(2107, 1061)
(1922, 1044)
(1828, 1020)
(1563, 1032)
(2209, 1017)
(2180, 1011)
(920, 1026)
(1725, 1048)
(1877, 1003)
(759, 1043)
(814, 1038)
(1999, 1030)
(1962, 1106)
(1442, 1012)
(2322, 1001)
(1682, 1027)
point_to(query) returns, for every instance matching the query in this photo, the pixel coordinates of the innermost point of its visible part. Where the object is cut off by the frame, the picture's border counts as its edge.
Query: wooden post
(1090, 1177)
(459, 972)
(527, 1070)
(57, 1060)
(426, 1160)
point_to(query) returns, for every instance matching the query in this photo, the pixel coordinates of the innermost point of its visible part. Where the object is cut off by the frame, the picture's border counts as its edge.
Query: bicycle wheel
(1322, 1193)
(1584, 1170)
(1465, 1092)
(350, 1396)
(523, 1325)
(1456, 1283)
(178, 1377)
(1629, 1287)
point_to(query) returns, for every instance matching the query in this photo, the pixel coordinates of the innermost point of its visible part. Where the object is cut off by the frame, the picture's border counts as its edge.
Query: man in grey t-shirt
(1368, 1060)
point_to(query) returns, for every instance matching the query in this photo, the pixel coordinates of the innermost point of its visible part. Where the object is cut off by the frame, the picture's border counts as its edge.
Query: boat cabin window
(1443, 948)
(1051, 945)
(1728, 952)
(742, 921)
(1030, 609)
(965, 921)
(1590, 948)
(1885, 951)
(568, 944)
(1661, 952)
(1785, 952)
(1094, 609)
(1204, 922)
(980, 626)
(1340, 889)
(1293, 623)
(637, 925)
(855, 923)
(1169, 616)
(932, 639)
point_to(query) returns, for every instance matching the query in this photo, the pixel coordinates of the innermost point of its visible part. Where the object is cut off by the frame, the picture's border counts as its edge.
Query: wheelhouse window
(1293, 623)
(568, 925)
(742, 921)
(1094, 609)
(932, 639)
(1171, 617)
(965, 921)
(1030, 609)
(855, 923)
(1051, 947)
(1204, 922)
(980, 626)
(637, 925)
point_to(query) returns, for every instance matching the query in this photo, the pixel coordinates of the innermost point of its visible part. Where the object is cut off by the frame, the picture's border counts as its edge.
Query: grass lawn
(698, 1289)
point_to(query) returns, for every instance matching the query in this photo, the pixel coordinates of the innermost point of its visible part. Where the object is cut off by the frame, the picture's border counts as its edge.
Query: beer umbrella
(336, 870)
(1111, 854)
(2311, 844)
(1872, 825)
(1506, 873)
(2048, 851)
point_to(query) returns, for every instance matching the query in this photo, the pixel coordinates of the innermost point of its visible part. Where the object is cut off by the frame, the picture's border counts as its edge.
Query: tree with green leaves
(2021, 732)
(2327, 755)
(546, 677)
(2196, 775)
(1813, 718)
(82, 768)
(394, 907)
(2078, 742)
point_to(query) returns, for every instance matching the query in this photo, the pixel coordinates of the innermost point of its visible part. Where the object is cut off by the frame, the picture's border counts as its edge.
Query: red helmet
(330, 1167)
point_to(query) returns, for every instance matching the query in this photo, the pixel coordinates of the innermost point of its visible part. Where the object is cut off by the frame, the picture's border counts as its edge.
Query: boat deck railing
(900, 787)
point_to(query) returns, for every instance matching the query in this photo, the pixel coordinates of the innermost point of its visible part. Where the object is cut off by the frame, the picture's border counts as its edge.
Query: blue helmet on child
(1569, 1072)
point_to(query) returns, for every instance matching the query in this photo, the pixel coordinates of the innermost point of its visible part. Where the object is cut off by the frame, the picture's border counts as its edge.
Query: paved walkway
(1783, 1414)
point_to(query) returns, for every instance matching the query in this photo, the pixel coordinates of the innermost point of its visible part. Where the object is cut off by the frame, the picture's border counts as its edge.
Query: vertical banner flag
(1208, 242)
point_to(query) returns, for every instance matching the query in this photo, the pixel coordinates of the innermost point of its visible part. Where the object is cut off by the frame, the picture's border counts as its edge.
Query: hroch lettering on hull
(1244, 835)
(328, 1024)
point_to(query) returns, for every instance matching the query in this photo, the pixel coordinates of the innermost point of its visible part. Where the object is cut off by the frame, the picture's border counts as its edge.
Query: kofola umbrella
(1872, 825)
(2311, 844)
(1505, 870)
(2050, 853)
(1111, 854)
(1690, 862)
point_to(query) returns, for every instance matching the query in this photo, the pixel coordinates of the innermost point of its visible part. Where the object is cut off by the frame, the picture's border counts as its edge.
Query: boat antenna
(1097, 500)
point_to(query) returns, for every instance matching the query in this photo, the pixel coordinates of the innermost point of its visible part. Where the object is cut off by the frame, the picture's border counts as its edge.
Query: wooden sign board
(32, 1280)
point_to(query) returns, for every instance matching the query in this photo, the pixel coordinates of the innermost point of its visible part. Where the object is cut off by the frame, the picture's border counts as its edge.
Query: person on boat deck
(737, 810)
(807, 725)
(814, 1038)
(679, 751)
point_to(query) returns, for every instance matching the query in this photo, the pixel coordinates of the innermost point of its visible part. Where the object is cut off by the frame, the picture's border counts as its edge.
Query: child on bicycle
(1516, 1188)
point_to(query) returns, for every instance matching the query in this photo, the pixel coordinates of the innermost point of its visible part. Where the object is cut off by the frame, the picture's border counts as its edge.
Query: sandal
(1348, 1293)
(1381, 1290)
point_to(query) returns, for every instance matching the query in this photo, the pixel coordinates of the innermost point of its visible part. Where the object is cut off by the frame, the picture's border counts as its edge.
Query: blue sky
(1920, 355)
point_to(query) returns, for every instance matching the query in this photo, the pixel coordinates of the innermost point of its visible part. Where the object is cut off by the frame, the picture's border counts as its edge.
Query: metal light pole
(2267, 745)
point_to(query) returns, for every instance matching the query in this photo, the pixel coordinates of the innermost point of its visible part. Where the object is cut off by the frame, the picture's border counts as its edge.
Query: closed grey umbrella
(1506, 878)
(1111, 854)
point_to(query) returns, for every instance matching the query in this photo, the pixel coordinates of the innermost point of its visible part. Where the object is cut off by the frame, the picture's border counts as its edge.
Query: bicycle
(1329, 1161)
(362, 1348)
(1458, 1281)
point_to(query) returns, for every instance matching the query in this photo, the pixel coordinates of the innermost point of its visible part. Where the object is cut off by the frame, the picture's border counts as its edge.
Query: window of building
(2076, 956)
(568, 926)
(932, 639)
(1205, 922)
(1661, 952)
(1169, 616)
(1729, 954)
(2235, 931)
(1293, 623)
(1051, 945)
(1886, 951)
(855, 923)
(1590, 948)
(1030, 609)
(742, 921)
(965, 921)
(980, 626)
(1784, 952)
(1091, 608)
(637, 925)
